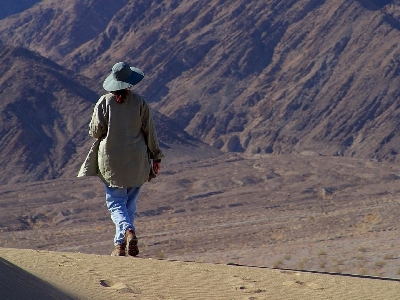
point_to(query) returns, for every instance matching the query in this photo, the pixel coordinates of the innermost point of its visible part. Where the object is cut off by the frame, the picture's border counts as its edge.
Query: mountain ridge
(276, 77)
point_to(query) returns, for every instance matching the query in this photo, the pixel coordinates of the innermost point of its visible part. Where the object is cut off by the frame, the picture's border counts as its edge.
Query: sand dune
(86, 276)
(17, 284)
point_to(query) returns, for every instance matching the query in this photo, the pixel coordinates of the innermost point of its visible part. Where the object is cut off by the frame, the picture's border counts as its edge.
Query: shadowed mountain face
(10, 7)
(375, 4)
(260, 77)
(42, 115)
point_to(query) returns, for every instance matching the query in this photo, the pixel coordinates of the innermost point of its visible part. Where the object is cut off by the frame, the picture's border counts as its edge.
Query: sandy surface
(89, 276)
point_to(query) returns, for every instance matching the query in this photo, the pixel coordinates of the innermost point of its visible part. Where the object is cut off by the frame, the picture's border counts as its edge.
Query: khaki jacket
(126, 141)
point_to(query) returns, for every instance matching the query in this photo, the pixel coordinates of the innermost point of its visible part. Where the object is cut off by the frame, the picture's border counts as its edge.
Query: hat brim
(111, 84)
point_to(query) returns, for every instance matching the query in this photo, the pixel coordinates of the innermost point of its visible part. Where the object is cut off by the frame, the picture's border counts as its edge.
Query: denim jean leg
(116, 200)
(133, 195)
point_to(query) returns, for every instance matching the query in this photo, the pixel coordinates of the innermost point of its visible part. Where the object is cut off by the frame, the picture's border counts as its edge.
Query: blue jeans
(121, 202)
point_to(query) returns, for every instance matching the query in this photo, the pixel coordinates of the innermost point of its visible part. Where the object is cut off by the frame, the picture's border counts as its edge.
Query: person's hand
(156, 167)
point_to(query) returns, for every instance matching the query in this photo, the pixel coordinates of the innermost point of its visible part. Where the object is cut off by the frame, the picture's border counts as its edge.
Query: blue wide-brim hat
(122, 77)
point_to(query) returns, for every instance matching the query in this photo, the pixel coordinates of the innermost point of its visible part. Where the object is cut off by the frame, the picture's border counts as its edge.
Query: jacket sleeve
(99, 122)
(150, 133)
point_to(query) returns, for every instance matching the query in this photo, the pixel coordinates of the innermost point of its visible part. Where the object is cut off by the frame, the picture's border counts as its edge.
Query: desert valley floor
(299, 212)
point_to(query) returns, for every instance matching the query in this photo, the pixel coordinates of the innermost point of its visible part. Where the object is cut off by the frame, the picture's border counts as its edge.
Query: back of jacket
(127, 140)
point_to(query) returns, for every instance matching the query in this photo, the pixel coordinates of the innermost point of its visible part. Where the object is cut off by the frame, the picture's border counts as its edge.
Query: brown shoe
(132, 242)
(119, 250)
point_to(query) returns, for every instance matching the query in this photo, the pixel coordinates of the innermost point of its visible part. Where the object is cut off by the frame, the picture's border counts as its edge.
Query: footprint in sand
(66, 263)
(120, 287)
(249, 287)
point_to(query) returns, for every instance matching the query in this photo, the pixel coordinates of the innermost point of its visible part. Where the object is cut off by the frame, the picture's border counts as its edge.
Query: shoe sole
(133, 249)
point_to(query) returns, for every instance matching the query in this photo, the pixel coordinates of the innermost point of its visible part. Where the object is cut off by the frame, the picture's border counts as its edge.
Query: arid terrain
(279, 120)
(329, 214)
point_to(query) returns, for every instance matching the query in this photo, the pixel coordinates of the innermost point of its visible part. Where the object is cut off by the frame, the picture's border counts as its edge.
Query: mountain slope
(260, 77)
(53, 28)
(41, 115)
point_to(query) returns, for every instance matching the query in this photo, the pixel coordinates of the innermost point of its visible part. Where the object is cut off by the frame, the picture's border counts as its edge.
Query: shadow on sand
(17, 284)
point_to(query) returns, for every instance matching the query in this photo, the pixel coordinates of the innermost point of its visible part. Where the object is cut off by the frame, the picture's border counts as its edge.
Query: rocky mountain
(257, 77)
(41, 115)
